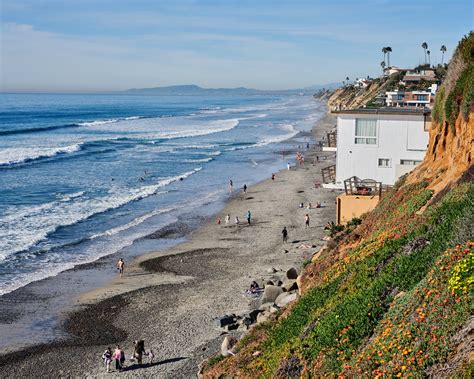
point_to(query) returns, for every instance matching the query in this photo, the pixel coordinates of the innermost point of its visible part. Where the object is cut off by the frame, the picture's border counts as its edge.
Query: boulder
(227, 345)
(288, 298)
(289, 285)
(273, 309)
(265, 306)
(253, 315)
(226, 320)
(262, 317)
(292, 273)
(270, 294)
(269, 283)
(232, 327)
(280, 297)
(299, 280)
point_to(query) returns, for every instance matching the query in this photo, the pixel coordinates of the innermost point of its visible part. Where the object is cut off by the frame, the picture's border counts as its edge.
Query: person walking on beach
(120, 266)
(306, 220)
(107, 358)
(249, 216)
(245, 188)
(138, 351)
(284, 233)
(119, 357)
(227, 218)
(231, 185)
(237, 221)
(273, 177)
(288, 166)
(151, 356)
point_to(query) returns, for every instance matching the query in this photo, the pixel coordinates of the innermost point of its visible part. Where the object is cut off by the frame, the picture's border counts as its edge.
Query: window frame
(389, 160)
(365, 137)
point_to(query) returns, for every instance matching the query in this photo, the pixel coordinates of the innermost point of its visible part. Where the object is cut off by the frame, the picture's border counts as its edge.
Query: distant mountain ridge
(193, 89)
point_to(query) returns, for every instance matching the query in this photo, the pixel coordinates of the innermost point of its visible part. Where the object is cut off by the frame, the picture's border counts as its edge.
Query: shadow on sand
(147, 365)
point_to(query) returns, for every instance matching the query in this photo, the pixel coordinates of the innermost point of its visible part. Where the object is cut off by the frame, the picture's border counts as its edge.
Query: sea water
(83, 176)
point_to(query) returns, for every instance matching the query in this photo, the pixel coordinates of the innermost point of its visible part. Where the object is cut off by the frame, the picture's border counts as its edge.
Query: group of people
(236, 219)
(300, 158)
(310, 206)
(119, 355)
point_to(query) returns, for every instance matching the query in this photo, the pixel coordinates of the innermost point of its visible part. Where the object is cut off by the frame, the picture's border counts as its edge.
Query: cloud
(35, 60)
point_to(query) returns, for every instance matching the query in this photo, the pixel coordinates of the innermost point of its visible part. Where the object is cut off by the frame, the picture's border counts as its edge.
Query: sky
(107, 45)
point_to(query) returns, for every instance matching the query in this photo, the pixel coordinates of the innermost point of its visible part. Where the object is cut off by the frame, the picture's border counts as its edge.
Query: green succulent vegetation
(460, 99)
(337, 327)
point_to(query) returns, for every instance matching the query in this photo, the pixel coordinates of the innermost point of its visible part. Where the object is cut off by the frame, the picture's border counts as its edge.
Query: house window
(422, 97)
(400, 97)
(409, 162)
(365, 132)
(384, 162)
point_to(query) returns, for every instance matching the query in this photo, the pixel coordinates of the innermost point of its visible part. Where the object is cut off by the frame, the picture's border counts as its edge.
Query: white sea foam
(109, 121)
(135, 222)
(23, 227)
(267, 141)
(16, 155)
(203, 160)
(99, 122)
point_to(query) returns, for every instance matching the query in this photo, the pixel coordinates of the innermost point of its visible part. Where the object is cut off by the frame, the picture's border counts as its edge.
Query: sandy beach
(172, 299)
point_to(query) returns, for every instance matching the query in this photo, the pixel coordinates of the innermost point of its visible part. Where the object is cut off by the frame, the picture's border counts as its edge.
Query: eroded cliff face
(450, 154)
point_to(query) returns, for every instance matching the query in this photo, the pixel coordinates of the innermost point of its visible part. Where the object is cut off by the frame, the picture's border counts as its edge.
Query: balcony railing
(362, 187)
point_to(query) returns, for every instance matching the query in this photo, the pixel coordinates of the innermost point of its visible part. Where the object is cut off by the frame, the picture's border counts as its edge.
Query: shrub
(462, 275)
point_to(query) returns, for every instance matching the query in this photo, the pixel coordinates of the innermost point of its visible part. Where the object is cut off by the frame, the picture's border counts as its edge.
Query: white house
(362, 83)
(380, 144)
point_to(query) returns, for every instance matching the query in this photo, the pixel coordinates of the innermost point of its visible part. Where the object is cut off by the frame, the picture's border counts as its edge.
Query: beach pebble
(271, 270)
(270, 294)
(292, 273)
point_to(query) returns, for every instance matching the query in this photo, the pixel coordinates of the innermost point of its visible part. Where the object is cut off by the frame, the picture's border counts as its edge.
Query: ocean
(85, 176)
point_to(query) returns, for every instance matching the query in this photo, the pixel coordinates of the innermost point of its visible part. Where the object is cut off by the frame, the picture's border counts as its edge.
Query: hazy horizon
(91, 46)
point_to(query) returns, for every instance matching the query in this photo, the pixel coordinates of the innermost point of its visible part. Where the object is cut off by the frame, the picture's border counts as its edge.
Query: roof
(386, 110)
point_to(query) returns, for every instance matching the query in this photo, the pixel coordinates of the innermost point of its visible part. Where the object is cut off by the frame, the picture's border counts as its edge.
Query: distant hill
(194, 90)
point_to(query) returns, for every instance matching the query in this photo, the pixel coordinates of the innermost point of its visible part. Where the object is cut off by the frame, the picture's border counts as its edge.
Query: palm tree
(384, 51)
(443, 50)
(382, 64)
(429, 60)
(389, 50)
(424, 45)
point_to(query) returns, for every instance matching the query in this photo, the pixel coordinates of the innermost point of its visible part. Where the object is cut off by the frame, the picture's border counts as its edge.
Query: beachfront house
(380, 144)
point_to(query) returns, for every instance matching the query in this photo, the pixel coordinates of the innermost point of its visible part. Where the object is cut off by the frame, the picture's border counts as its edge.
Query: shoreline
(207, 272)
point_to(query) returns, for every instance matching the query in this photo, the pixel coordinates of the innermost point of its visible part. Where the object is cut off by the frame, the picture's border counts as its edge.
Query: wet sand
(172, 299)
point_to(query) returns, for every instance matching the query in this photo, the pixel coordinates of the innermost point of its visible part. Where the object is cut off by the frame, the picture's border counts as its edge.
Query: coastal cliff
(391, 297)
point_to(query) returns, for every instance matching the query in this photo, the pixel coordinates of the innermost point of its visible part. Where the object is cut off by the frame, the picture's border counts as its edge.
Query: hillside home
(393, 70)
(411, 98)
(415, 76)
(362, 83)
(380, 144)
